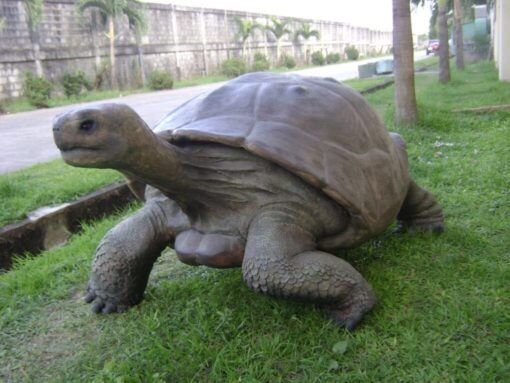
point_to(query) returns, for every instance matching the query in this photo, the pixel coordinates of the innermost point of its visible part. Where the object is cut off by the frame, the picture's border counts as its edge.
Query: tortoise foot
(347, 317)
(421, 226)
(350, 314)
(104, 303)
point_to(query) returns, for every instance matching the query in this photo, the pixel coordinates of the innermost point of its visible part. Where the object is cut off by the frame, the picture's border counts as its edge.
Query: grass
(47, 184)
(443, 314)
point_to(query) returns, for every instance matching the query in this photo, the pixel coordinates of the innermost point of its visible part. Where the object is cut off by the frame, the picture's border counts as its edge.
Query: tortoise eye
(87, 125)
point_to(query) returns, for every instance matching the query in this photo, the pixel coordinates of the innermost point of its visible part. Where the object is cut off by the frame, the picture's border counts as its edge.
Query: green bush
(260, 66)
(351, 52)
(288, 61)
(234, 67)
(259, 57)
(481, 45)
(333, 58)
(260, 63)
(73, 84)
(318, 58)
(37, 90)
(159, 80)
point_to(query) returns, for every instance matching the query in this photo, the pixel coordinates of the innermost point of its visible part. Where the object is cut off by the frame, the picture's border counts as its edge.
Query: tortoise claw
(89, 297)
(97, 306)
(349, 321)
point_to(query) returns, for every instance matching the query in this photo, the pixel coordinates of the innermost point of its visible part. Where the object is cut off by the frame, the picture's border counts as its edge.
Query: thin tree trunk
(459, 43)
(405, 97)
(444, 51)
(111, 36)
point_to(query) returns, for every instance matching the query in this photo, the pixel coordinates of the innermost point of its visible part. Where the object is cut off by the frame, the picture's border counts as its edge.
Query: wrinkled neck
(153, 161)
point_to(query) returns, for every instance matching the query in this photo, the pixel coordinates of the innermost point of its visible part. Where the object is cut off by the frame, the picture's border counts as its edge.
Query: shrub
(351, 52)
(159, 80)
(318, 58)
(101, 74)
(37, 90)
(234, 67)
(333, 58)
(260, 63)
(73, 84)
(259, 57)
(481, 45)
(259, 66)
(288, 61)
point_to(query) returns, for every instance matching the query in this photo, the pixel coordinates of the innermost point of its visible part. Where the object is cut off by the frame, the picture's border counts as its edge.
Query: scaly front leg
(125, 256)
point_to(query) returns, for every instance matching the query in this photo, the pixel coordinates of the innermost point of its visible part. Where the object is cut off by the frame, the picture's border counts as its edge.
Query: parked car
(432, 47)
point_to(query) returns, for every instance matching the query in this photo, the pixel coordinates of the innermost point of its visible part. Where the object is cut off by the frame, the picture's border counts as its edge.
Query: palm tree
(278, 29)
(459, 43)
(306, 32)
(406, 111)
(245, 29)
(444, 51)
(112, 10)
(34, 13)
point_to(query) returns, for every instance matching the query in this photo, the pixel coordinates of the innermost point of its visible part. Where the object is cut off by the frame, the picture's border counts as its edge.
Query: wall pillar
(503, 21)
(176, 41)
(204, 42)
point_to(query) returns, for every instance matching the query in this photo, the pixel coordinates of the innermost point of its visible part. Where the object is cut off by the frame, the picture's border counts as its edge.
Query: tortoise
(272, 173)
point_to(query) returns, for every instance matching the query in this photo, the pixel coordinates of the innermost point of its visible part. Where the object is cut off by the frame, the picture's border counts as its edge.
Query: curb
(45, 230)
(375, 88)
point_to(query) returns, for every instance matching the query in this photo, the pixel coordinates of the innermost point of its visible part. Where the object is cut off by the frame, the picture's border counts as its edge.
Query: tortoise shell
(316, 128)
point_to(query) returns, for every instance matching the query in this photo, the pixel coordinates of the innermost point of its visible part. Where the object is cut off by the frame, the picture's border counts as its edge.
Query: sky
(374, 14)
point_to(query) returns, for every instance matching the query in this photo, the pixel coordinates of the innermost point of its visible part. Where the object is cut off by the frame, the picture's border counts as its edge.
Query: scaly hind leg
(126, 254)
(281, 260)
(420, 211)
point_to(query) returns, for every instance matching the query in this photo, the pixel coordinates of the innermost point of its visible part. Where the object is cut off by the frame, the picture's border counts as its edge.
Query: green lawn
(444, 304)
(47, 184)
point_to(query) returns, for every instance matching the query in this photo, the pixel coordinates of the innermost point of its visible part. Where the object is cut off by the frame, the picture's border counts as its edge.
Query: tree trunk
(405, 97)
(111, 36)
(444, 51)
(459, 43)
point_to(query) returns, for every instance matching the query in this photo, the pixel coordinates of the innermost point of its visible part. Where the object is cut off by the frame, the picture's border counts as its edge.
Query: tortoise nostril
(56, 128)
(87, 125)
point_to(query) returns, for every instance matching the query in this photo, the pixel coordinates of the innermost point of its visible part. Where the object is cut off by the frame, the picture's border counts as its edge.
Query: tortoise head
(99, 136)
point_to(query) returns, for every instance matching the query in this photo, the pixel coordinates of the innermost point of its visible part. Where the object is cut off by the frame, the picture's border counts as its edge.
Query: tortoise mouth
(80, 156)
(74, 149)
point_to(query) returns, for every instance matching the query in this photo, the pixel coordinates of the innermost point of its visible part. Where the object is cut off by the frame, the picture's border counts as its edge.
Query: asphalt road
(26, 138)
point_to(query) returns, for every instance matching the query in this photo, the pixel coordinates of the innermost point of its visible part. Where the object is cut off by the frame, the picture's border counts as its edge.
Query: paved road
(26, 138)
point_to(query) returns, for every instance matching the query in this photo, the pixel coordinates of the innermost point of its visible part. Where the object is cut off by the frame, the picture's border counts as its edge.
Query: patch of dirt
(52, 336)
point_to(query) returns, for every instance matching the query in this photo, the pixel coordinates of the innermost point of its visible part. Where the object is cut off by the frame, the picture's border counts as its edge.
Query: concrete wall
(188, 42)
